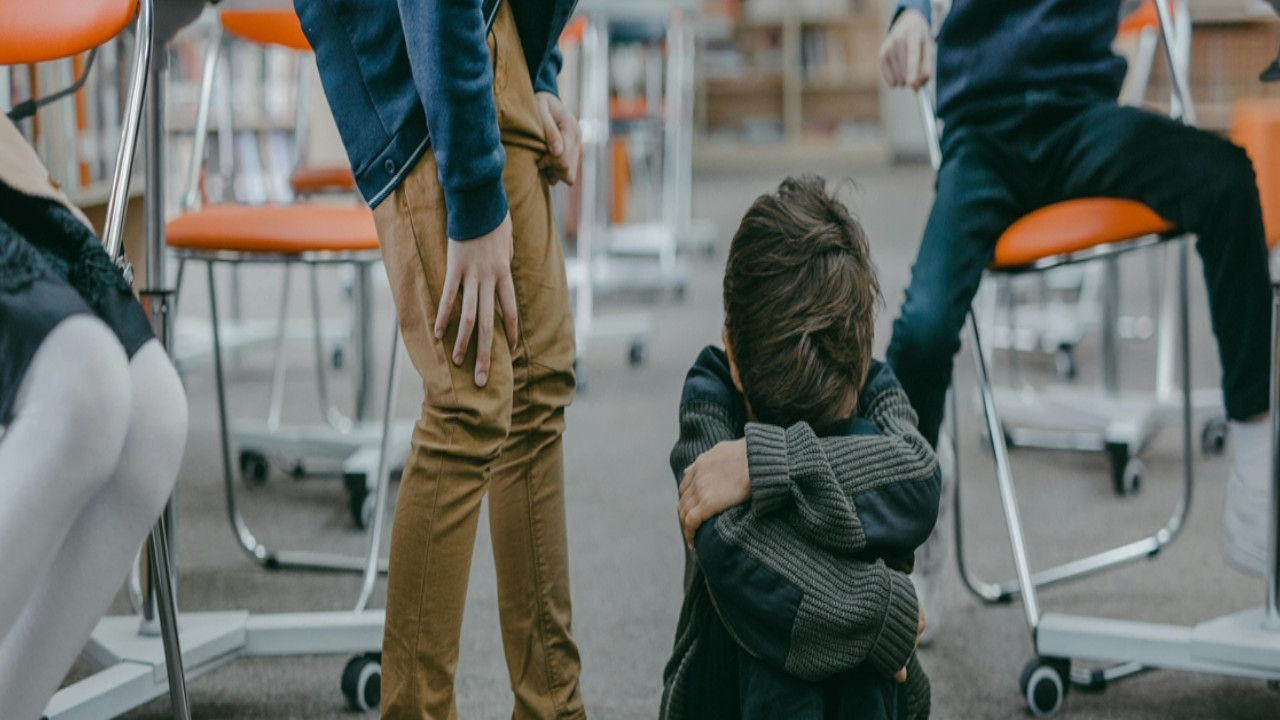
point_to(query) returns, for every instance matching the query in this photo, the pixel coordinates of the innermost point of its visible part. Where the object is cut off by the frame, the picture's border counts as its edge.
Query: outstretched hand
(907, 54)
(718, 480)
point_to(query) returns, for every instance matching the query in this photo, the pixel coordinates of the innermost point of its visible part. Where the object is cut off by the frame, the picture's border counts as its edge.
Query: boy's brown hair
(800, 298)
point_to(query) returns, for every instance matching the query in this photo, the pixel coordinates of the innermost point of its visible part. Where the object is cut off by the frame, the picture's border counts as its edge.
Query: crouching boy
(804, 487)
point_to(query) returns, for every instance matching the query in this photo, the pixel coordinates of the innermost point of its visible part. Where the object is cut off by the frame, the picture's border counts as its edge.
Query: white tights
(86, 465)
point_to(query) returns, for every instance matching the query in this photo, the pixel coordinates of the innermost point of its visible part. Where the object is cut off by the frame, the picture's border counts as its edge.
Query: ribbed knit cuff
(898, 634)
(477, 211)
(919, 694)
(767, 465)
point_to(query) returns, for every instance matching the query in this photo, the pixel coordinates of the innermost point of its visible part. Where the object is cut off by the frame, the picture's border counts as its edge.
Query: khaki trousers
(503, 439)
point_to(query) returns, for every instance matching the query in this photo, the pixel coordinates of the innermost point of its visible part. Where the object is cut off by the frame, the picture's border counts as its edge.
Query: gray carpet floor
(625, 548)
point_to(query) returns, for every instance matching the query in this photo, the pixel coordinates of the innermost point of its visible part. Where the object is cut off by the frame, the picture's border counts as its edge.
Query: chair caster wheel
(1064, 362)
(1213, 437)
(339, 357)
(1126, 470)
(636, 354)
(255, 469)
(1044, 685)
(680, 292)
(359, 500)
(362, 682)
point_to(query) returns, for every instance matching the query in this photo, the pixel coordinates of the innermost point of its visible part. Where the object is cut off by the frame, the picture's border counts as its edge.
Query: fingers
(484, 342)
(552, 131)
(913, 64)
(510, 314)
(447, 297)
(901, 675)
(926, 67)
(468, 321)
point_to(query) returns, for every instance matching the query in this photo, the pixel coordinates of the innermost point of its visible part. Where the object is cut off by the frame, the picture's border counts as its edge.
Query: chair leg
(384, 471)
(1004, 479)
(239, 528)
(161, 570)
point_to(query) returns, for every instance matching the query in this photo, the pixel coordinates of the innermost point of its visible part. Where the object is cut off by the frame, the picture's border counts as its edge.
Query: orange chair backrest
(266, 27)
(1144, 16)
(572, 34)
(1255, 126)
(33, 31)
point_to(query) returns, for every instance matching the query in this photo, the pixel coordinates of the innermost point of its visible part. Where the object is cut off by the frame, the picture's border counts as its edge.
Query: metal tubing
(332, 415)
(930, 121)
(1110, 319)
(1184, 109)
(239, 529)
(363, 325)
(161, 565)
(118, 200)
(383, 479)
(985, 592)
(191, 194)
(1004, 479)
(278, 372)
(1273, 532)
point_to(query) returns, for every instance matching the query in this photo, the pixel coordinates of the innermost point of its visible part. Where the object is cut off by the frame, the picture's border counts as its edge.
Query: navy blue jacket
(402, 74)
(993, 53)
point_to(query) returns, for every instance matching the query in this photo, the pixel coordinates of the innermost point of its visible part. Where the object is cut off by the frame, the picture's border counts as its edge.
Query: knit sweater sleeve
(805, 610)
(874, 492)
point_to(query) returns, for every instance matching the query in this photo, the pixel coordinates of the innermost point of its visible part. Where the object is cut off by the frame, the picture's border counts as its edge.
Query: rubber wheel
(1044, 685)
(1213, 437)
(362, 682)
(1064, 362)
(357, 496)
(255, 469)
(1126, 470)
(636, 354)
(338, 358)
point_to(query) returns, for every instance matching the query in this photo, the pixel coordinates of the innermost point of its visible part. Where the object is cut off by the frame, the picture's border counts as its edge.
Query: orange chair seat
(309, 181)
(275, 230)
(34, 32)
(266, 27)
(1072, 226)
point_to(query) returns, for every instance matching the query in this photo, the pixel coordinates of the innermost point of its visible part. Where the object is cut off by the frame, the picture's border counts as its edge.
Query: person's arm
(876, 491)
(812, 619)
(804, 610)
(549, 73)
(907, 54)
(453, 72)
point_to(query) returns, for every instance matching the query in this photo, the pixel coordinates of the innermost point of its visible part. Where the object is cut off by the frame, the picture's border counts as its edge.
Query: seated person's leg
(975, 202)
(1204, 185)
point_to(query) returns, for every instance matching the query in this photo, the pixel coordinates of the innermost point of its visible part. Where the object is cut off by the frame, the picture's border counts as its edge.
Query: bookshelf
(788, 80)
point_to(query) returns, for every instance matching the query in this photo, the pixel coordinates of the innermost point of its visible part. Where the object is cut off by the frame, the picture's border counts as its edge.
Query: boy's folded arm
(809, 613)
(711, 411)
(874, 492)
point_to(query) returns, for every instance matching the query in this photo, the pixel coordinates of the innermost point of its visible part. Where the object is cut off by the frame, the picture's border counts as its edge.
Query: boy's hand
(901, 675)
(480, 269)
(906, 57)
(564, 140)
(718, 480)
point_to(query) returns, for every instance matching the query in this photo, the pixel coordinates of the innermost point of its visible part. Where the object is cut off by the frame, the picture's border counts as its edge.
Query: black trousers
(1045, 149)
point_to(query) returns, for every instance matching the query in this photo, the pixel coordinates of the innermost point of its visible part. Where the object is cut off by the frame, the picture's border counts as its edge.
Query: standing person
(450, 118)
(1027, 94)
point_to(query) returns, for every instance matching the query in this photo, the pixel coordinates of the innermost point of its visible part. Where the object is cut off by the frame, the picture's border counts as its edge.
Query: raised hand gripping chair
(51, 30)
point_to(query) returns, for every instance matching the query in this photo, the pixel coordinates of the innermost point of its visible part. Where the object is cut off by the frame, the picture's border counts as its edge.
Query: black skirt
(53, 267)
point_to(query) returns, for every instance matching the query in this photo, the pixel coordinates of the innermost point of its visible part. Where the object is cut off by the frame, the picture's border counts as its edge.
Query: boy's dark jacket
(842, 504)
